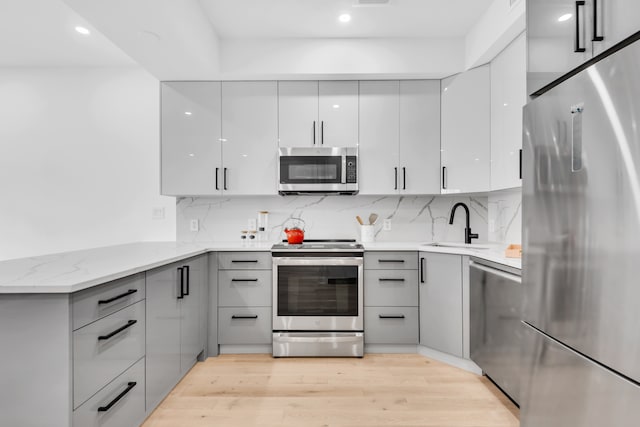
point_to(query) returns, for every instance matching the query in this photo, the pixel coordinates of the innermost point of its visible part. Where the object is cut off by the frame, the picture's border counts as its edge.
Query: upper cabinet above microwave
(312, 113)
(564, 34)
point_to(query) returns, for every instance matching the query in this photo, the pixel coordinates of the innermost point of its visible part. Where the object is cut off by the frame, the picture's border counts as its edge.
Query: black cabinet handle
(250, 316)
(596, 37)
(390, 260)
(224, 181)
(391, 316)
(130, 385)
(404, 178)
(244, 280)
(129, 324)
(117, 297)
(422, 269)
(181, 289)
(186, 270)
(390, 280)
(217, 185)
(395, 172)
(578, 48)
(520, 167)
(322, 132)
(314, 132)
(244, 260)
(444, 177)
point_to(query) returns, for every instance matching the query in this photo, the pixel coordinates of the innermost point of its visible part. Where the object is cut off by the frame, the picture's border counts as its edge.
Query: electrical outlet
(492, 226)
(251, 224)
(194, 225)
(386, 224)
(157, 213)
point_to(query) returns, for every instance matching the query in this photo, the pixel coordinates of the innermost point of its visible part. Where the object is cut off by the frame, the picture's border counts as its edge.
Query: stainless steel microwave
(321, 170)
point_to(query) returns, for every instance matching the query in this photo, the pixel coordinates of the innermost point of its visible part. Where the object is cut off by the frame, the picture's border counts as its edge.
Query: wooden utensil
(359, 220)
(373, 218)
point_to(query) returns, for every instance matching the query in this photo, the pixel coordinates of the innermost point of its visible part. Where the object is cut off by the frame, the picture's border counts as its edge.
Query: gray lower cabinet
(391, 298)
(441, 302)
(244, 298)
(119, 404)
(174, 301)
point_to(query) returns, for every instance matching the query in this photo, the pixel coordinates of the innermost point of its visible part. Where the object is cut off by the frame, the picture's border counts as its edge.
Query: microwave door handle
(343, 179)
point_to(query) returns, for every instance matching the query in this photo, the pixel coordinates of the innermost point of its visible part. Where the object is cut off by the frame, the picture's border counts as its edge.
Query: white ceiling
(318, 18)
(40, 33)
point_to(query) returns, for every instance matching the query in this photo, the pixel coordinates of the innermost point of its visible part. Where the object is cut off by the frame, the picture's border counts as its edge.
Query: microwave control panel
(352, 170)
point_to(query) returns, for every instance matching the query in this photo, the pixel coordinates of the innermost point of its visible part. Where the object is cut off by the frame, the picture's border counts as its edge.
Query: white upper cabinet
(466, 122)
(250, 138)
(508, 96)
(614, 20)
(338, 113)
(190, 137)
(379, 149)
(420, 136)
(298, 114)
(312, 113)
(399, 137)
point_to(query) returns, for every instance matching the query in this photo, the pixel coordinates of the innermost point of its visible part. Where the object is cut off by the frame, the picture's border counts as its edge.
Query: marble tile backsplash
(413, 218)
(505, 216)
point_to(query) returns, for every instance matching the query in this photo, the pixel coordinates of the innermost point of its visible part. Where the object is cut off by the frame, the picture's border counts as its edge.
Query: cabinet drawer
(391, 288)
(244, 325)
(244, 260)
(105, 349)
(391, 260)
(391, 325)
(95, 303)
(120, 403)
(244, 288)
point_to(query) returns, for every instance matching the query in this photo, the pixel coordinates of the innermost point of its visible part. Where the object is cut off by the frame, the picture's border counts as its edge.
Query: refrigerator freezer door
(581, 204)
(564, 389)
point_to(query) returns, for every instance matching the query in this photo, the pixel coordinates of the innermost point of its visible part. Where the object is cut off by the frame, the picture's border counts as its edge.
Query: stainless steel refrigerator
(581, 236)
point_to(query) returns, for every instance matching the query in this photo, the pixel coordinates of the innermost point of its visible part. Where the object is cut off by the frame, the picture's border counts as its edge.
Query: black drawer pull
(391, 316)
(244, 280)
(390, 260)
(129, 324)
(244, 260)
(188, 280)
(390, 280)
(130, 385)
(249, 316)
(126, 294)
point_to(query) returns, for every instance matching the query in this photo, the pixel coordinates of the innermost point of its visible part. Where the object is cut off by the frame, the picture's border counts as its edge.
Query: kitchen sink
(458, 245)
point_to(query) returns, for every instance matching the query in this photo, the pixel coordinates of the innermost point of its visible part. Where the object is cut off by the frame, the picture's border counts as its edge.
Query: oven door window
(317, 291)
(311, 169)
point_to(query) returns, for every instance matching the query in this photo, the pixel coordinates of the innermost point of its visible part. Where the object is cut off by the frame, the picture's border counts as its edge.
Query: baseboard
(390, 348)
(449, 359)
(245, 348)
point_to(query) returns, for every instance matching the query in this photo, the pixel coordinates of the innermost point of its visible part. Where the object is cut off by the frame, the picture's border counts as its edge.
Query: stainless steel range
(318, 299)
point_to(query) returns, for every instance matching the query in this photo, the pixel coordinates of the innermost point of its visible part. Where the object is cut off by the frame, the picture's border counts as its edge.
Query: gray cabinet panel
(441, 303)
(391, 325)
(103, 350)
(391, 260)
(163, 333)
(238, 288)
(95, 303)
(391, 288)
(244, 260)
(244, 325)
(212, 318)
(126, 412)
(190, 312)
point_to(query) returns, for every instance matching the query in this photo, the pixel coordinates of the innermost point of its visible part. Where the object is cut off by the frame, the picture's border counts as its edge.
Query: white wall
(341, 58)
(79, 160)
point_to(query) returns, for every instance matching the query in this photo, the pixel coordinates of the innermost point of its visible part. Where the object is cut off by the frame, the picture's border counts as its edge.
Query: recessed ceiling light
(345, 17)
(83, 31)
(187, 113)
(336, 105)
(565, 17)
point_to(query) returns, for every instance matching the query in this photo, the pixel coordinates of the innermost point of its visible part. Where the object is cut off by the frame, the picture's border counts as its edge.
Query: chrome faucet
(468, 235)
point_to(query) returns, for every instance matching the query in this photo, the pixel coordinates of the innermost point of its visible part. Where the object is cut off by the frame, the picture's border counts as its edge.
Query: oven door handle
(305, 261)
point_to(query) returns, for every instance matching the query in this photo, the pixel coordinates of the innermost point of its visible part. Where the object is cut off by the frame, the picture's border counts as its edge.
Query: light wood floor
(378, 390)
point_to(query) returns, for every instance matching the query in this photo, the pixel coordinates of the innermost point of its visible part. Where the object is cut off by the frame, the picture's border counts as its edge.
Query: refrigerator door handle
(576, 137)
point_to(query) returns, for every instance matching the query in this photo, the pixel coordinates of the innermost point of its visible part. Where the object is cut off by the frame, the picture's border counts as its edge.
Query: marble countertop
(69, 272)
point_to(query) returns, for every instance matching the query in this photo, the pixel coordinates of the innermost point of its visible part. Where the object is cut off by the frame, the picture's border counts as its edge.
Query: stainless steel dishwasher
(495, 328)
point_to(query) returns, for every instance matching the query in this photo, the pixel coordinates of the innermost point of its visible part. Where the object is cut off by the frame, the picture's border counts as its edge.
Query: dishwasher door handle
(503, 274)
